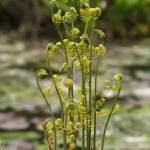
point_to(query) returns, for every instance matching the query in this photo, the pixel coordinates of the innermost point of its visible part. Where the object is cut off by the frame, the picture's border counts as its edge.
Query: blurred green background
(25, 31)
(121, 18)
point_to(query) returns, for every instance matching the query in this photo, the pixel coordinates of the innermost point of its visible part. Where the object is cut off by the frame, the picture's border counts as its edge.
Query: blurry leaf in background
(124, 15)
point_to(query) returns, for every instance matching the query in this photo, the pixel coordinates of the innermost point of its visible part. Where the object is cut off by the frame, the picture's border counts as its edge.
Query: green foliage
(130, 17)
(81, 103)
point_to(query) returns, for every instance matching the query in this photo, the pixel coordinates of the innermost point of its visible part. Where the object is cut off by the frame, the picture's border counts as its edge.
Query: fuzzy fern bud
(73, 12)
(70, 16)
(49, 46)
(75, 32)
(58, 123)
(51, 50)
(72, 146)
(89, 14)
(58, 44)
(69, 83)
(47, 91)
(118, 77)
(95, 12)
(70, 124)
(66, 41)
(100, 33)
(41, 73)
(57, 18)
(102, 49)
(86, 63)
(72, 137)
(56, 78)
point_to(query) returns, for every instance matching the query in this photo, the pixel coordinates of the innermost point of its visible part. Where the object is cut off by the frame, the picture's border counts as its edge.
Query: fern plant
(82, 102)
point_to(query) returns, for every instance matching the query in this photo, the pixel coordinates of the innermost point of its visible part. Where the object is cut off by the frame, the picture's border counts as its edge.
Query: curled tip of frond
(41, 73)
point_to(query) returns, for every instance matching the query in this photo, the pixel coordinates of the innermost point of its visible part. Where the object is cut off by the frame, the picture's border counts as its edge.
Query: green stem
(83, 88)
(65, 129)
(59, 96)
(85, 30)
(79, 118)
(46, 135)
(51, 112)
(67, 33)
(108, 119)
(57, 91)
(83, 121)
(96, 74)
(72, 94)
(90, 90)
(83, 135)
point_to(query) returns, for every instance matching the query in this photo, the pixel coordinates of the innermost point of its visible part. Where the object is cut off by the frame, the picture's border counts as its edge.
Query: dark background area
(120, 18)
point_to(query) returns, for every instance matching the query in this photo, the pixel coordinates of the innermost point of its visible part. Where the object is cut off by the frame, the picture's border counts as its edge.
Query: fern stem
(108, 119)
(96, 74)
(51, 112)
(90, 90)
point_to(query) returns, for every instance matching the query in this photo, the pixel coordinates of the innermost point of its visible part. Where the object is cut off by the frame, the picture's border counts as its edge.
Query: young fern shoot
(80, 100)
